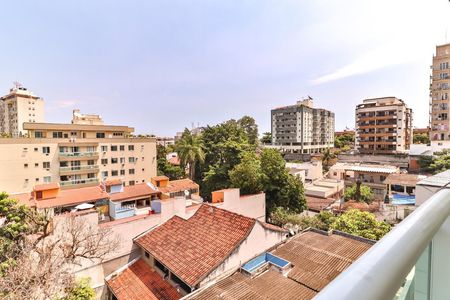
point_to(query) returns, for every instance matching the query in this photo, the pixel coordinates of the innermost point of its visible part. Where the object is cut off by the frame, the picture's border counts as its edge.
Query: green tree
(266, 138)
(366, 194)
(437, 163)
(363, 224)
(345, 140)
(80, 290)
(166, 168)
(421, 138)
(281, 188)
(327, 156)
(250, 128)
(190, 151)
(247, 175)
(285, 218)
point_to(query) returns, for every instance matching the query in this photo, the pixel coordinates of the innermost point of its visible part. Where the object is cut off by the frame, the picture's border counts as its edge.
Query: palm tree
(190, 151)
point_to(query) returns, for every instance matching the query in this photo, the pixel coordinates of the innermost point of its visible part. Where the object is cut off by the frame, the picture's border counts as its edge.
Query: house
(174, 188)
(298, 269)
(401, 188)
(190, 253)
(308, 171)
(371, 175)
(252, 206)
(325, 188)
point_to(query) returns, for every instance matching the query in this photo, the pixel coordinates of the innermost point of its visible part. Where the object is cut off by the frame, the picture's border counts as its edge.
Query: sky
(161, 66)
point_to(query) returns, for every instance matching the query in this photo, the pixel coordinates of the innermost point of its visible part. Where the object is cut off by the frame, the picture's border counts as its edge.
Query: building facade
(19, 106)
(301, 128)
(75, 155)
(383, 126)
(439, 98)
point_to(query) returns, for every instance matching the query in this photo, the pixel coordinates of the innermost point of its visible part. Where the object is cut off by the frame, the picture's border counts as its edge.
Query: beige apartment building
(75, 155)
(301, 128)
(439, 98)
(18, 107)
(383, 126)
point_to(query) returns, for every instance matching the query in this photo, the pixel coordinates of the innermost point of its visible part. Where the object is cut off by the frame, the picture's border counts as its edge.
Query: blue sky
(160, 66)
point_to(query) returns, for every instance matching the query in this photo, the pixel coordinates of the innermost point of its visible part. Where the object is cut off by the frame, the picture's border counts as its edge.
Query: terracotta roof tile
(47, 186)
(318, 204)
(192, 248)
(178, 185)
(113, 182)
(160, 177)
(133, 192)
(140, 282)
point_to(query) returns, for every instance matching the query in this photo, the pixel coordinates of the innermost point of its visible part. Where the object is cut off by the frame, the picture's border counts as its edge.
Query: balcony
(78, 169)
(70, 156)
(410, 262)
(79, 182)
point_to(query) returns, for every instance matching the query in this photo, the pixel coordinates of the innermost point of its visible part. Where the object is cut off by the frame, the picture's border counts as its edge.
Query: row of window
(45, 165)
(116, 172)
(45, 179)
(115, 160)
(45, 150)
(121, 148)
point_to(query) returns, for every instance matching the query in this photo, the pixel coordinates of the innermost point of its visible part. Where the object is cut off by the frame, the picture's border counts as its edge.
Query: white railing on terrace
(78, 181)
(78, 168)
(381, 271)
(76, 154)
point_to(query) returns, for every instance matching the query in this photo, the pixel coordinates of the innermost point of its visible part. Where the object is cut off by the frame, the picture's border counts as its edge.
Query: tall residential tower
(302, 129)
(439, 90)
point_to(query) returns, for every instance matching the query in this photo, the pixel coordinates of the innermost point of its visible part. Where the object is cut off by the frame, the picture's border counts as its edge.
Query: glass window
(114, 173)
(122, 172)
(113, 148)
(46, 165)
(46, 150)
(100, 135)
(131, 171)
(131, 147)
(122, 147)
(104, 161)
(114, 160)
(104, 148)
(57, 134)
(47, 179)
(38, 134)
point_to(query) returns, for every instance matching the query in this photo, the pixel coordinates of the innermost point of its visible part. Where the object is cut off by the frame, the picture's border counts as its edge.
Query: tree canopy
(365, 194)
(345, 140)
(190, 151)
(437, 163)
(266, 138)
(247, 175)
(421, 138)
(166, 168)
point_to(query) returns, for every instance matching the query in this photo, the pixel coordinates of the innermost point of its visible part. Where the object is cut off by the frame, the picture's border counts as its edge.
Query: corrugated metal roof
(439, 180)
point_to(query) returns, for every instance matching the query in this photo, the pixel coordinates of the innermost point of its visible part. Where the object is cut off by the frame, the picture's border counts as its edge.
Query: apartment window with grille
(130, 147)
(122, 148)
(131, 171)
(46, 165)
(114, 173)
(57, 134)
(104, 148)
(113, 148)
(104, 161)
(131, 159)
(122, 160)
(114, 160)
(122, 172)
(131, 182)
(46, 150)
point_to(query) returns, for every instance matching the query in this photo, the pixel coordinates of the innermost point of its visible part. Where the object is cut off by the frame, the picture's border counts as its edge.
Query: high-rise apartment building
(383, 126)
(439, 95)
(300, 128)
(75, 155)
(18, 107)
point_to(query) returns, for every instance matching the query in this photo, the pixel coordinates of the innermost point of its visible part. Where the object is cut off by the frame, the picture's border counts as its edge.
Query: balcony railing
(78, 154)
(386, 268)
(78, 182)
(79, 168)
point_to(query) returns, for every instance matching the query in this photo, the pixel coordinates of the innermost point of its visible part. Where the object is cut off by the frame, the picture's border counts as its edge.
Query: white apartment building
(74, 155)
(301, 128)
(383, 126)
(18, 107)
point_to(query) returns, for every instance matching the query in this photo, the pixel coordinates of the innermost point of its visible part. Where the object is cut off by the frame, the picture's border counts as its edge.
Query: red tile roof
(140, 282)
(318, 204)
(113, 182)
(178, 185)
(193, 248)
(64, 197)
(133, 192)
(160, 177)
(174, 161)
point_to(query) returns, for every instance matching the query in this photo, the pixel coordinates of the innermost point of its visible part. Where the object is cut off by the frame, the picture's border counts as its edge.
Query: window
(46, 150)
(131, 182)
(122, 148)
(38, 134)
(57, 134)
(36, 149)
(25, 165)
(90, 162)
(117, 133)
(100, 135)
(143, 170)
(104, 174)
(39, 195)
(114, 160)
(47, 179)
(104, 148)
(122, 160)
(46, 165)
(131, 159)
(131, 171)
(91, 175)
(122, 172)
(114, 173)
(73, 133)
(104, 161)
(130, 147)
(37, 179)
(113, 148)
(36, 165)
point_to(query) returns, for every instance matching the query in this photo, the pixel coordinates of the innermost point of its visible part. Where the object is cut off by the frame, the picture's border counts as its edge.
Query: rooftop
(318, 204)
(317, 258)
(131, 192)
(204, 241)
(372, 168)
(404, 179)
(139, 281)
(438, 180)
(178, 186)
